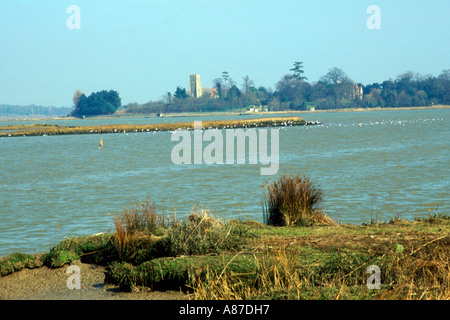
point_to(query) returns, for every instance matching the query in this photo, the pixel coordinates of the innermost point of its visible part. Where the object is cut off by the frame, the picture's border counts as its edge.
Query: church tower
(195, 86)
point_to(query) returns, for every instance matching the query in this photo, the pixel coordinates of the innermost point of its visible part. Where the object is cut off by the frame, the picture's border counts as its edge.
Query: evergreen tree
(98, 103)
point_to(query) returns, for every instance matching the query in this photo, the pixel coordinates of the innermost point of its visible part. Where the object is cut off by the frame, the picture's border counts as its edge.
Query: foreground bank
(205, 258)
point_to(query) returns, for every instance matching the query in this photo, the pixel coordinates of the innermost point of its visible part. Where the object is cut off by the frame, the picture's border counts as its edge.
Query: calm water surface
(370, 165)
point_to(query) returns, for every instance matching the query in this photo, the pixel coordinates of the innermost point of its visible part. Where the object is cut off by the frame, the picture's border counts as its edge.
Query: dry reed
(293, 201)
(137, 226)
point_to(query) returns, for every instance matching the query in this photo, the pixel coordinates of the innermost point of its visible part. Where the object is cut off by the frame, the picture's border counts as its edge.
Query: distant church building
(196, 90)
(358, 92)
(195, 86)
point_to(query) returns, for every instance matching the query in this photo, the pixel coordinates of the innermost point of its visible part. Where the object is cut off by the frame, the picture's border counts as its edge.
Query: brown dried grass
(41, 129)
(137, 226)
(293, 200)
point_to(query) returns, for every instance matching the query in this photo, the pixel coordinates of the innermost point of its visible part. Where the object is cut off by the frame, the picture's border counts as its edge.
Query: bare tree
(341, 86)
(334, 76)
(445, 75)
(406, 76)
(247, 84)
(76, 97)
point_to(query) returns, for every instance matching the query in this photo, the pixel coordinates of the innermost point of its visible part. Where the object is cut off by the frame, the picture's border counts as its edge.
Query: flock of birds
(381, 122)
(309, 125)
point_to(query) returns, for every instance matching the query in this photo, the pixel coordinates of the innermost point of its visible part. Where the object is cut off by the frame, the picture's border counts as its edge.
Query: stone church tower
(195, 86)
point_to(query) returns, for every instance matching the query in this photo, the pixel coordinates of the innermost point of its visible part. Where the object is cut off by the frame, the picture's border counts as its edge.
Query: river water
(373, 165)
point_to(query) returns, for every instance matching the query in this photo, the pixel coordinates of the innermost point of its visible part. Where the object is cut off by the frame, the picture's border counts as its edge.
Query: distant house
(212, 93)
(254, 109)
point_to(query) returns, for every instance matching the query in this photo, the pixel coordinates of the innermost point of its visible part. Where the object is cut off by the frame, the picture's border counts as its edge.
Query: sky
(146, 48)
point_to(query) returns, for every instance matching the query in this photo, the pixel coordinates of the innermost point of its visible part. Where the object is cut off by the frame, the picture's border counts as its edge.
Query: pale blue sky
(143, 49)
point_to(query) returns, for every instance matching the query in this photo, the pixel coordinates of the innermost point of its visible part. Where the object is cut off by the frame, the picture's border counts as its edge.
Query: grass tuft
(138, 229)
(293, 201)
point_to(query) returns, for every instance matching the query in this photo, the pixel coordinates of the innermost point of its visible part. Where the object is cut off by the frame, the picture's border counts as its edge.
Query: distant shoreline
(206, 114)
(226, 113)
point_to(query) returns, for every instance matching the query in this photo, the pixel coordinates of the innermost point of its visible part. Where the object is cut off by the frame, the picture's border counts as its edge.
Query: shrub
(293, 201)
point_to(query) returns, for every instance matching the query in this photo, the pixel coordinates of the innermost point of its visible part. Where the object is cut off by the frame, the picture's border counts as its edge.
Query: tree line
(7, 110)
(293, 92)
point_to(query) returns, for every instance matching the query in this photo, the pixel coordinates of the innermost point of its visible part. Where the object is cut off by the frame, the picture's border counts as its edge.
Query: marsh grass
(18, 261)
(138, 228)
(276, 275)
(46, 129)
(420, 273)
(202, 233)
(143, 233)
(293, 201)
(143, 217)
(282, 272)
(184, 251)
(215, 259)
(89, 249)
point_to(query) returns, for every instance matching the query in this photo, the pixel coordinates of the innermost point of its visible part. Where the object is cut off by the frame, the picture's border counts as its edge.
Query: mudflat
(45, 283)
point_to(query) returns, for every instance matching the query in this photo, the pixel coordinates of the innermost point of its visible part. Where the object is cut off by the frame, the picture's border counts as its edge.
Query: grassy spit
(49, 129)
(212, 259)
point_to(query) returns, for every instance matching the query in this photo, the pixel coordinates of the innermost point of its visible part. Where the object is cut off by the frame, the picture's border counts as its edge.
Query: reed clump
(138, 231)
(293, 201)
(143, 217)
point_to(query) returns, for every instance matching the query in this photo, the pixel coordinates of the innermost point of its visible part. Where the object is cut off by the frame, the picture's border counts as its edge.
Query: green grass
(90, 249)
(18, 261)
(303, 263)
